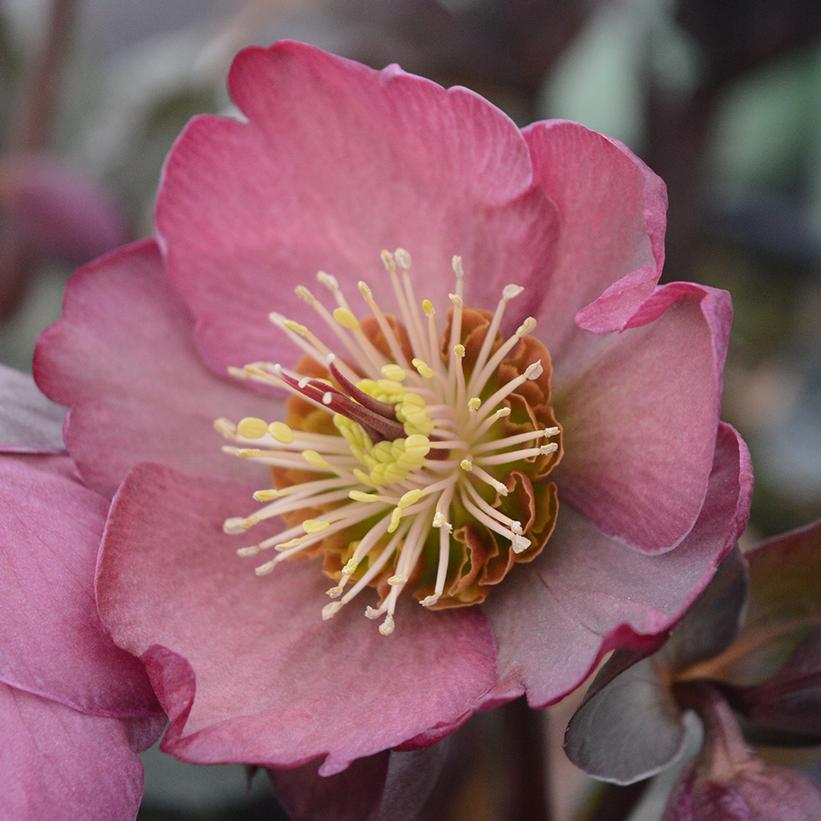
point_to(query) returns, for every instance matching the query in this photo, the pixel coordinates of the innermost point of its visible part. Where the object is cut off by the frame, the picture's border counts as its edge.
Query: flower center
(413, 458)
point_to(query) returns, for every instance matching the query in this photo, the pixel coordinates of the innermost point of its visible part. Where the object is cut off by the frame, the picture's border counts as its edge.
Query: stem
(526, 750)
(41, 86)
(612, 802)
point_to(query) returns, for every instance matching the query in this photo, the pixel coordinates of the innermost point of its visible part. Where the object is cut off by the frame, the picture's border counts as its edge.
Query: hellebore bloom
(74, 709)
(430, 436)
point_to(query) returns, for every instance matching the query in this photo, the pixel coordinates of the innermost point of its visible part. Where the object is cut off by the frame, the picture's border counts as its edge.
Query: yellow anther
(466, 464)
(346, 319)
(305, 295)
(459, 350)
(474, 403)
(363, 477)
(252, 428)
(410, 498)
(439, 519)
(422, 368)
(361, 496)
(291, 325)
(393, 372)
(326, 279)
(251, 453)
(281, 432)
(315, 525)
(290, 543)
(350, 567)
(417, 442)
(365, 291)
(388, 261)
(396, 516)
(427, 307)
(315, 459)
(265, 495)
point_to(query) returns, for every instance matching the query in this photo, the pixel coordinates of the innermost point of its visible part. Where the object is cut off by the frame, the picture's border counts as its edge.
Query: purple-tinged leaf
(629, 725)
(714, 620)
(628, 730)
(790, 700)
(784, 604)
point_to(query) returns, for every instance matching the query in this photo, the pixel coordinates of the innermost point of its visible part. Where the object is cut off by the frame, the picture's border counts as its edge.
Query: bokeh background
(722, 99)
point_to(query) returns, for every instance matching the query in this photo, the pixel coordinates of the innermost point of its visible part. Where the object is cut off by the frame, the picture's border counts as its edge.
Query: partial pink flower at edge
(74, 709)
(248, 210)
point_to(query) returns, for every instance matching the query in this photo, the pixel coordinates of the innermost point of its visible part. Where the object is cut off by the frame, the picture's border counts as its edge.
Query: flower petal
(585, 595)
(123, 358)
(612, 216)
(335, 162)
(51, 640)
(29, 423)
(244, 666)
(60, 764)
(640, 419)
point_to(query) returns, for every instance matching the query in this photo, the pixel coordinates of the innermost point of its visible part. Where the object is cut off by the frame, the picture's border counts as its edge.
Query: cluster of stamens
(414, 438)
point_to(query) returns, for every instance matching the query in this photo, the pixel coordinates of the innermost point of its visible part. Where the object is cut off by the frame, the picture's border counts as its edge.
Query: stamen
(414, 434)
(498, 444)
(516, 455)
(509, 292)
(382, 322)
(504, 349)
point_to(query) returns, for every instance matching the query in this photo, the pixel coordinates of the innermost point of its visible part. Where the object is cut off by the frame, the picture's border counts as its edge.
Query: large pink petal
(123, 359)
(60, 764)
(585, 595)
(244, 666)
(51, 639)
(335, 162)
(611, 237)
(640, 418)
(29, 423)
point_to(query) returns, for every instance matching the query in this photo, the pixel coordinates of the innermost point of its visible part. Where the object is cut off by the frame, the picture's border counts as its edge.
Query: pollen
(416, 449)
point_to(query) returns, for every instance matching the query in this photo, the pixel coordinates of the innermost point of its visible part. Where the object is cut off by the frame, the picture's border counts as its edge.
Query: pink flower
(332, 163)
(74, 709)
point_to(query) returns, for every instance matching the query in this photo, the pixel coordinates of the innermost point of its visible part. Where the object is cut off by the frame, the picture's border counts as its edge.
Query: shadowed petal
(335, 162)
(51, 639)
(63, 765)
(244, 666)
(29, 423)
(585, 594)
(123, 359)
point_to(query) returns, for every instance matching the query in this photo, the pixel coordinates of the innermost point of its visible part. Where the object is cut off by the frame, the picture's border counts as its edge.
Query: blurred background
(722, 99)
